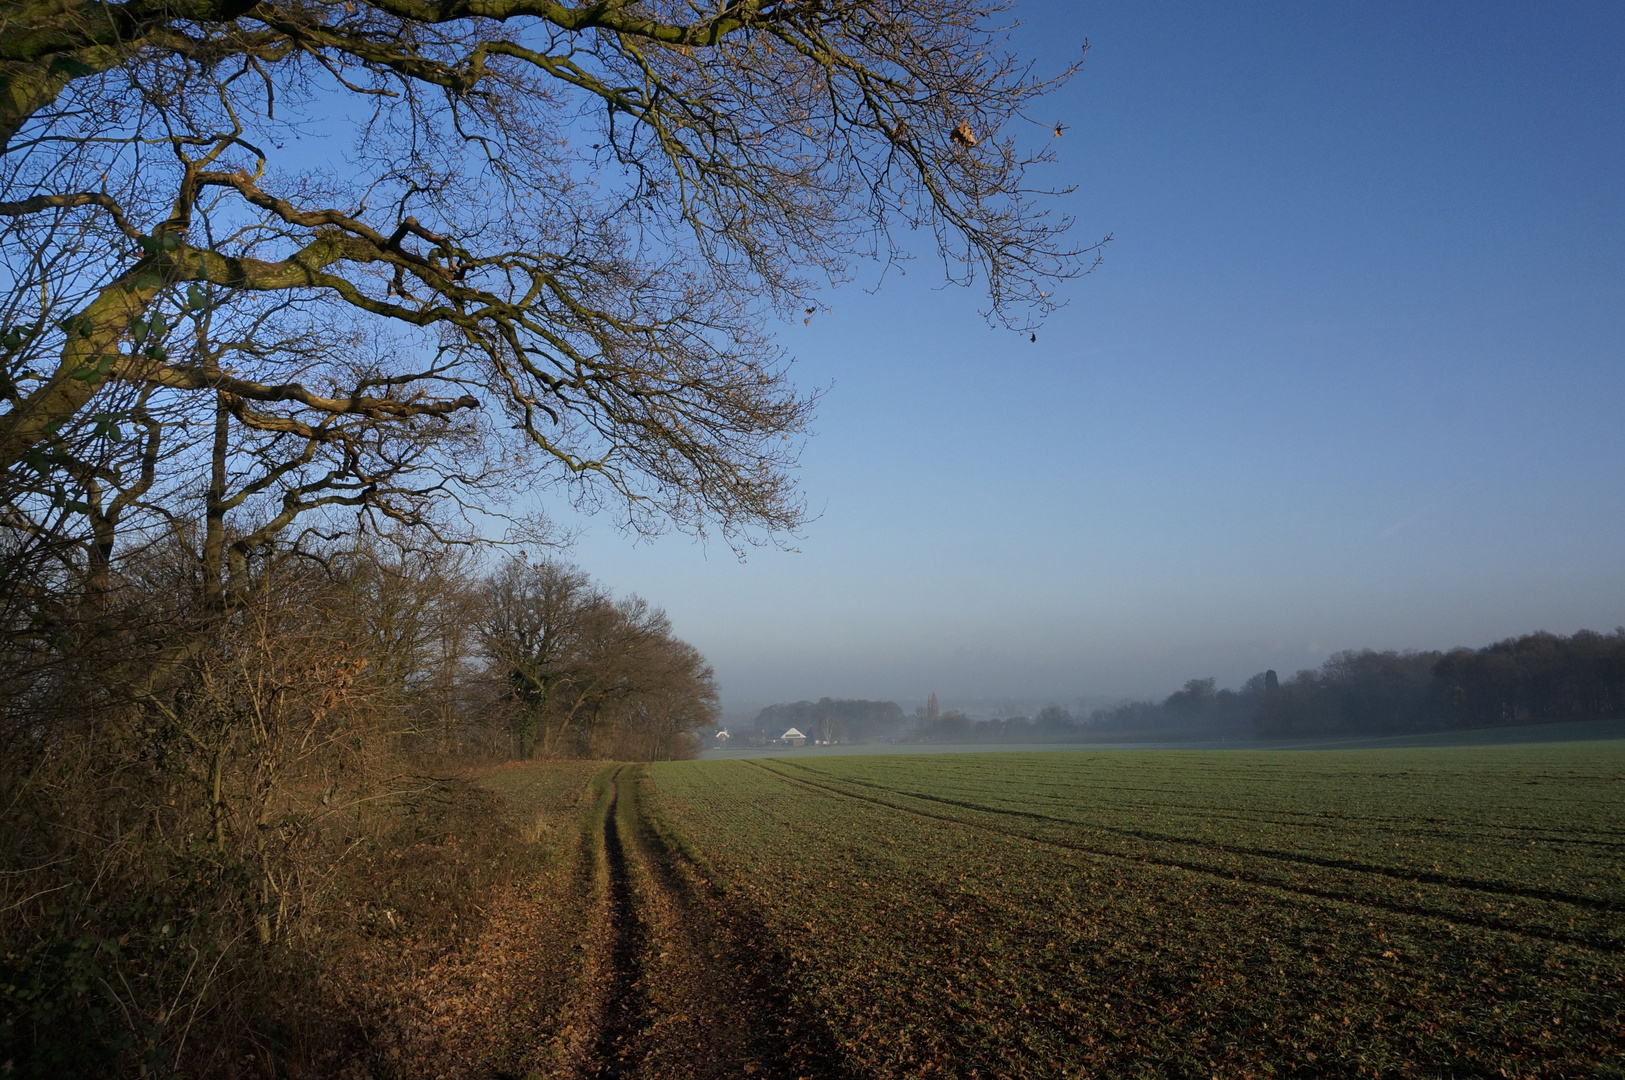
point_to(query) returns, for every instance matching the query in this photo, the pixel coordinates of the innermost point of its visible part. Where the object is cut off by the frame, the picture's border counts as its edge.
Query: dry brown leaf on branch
(963, 134)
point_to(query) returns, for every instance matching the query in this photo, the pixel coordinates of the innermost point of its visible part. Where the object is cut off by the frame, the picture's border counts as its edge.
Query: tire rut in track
(625, 1007)
(695, 988)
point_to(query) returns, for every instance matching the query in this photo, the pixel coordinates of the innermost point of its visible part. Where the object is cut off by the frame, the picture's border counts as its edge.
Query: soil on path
(696, 990)
(626, 961)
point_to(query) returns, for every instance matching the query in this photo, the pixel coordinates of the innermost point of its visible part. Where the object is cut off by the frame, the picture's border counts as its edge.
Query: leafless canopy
(585, 674)
(381, 254)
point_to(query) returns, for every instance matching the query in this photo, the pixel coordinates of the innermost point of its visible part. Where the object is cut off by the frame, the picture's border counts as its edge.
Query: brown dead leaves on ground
(500, 1003)
(538, 982)
(496, 979)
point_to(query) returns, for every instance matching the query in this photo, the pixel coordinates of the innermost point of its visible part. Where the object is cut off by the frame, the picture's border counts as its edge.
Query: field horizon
(1505, 735)
(1433, 911)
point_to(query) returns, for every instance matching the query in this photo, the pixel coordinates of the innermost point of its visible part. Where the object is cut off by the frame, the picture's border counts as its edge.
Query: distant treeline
(1052, 724)
(835, 719)
(1534, 679)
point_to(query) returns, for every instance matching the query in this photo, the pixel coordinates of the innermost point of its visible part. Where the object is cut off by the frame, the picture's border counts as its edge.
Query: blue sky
(1351, 375)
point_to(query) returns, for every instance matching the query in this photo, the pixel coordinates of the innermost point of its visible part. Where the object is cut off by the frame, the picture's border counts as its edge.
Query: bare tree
(586, 674)
(830, 729)
(675, 695)
(568, 225)
(417, 602)
(623, 657)
(531, 621)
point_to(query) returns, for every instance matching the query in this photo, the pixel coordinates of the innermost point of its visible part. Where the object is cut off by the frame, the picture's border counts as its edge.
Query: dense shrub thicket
(200, 803)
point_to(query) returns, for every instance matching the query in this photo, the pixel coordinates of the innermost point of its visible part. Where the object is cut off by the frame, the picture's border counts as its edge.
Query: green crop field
(1416, 912)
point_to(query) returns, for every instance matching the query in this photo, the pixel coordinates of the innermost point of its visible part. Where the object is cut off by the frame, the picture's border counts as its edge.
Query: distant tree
(951, 726)
(830, 729)
(1194, 697)
(1054, 720)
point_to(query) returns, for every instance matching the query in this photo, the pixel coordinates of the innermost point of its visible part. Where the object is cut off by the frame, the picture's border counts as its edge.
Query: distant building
(792, 737)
